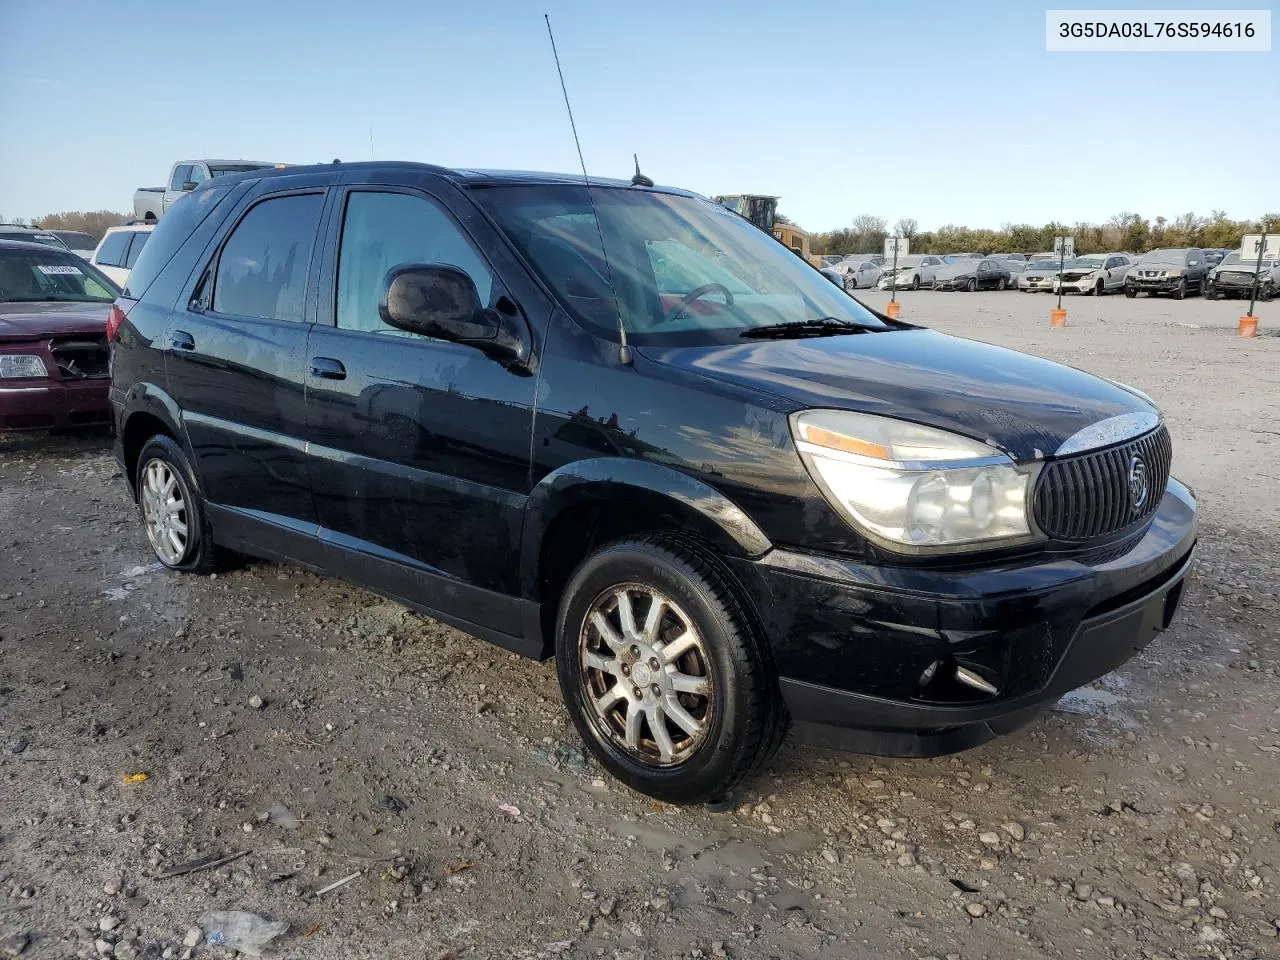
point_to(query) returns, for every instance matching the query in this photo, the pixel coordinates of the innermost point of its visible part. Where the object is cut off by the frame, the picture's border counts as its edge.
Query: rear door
(235, 356)
(419, 448)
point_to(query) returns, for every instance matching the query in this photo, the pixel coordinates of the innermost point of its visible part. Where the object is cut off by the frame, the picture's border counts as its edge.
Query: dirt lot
(1140, 819)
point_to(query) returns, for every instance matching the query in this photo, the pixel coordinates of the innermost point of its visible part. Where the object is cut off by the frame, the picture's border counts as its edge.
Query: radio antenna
(624, 351)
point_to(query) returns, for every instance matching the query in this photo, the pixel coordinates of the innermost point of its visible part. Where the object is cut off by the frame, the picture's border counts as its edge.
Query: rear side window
(382, 230)
(262, 271)
(112, 251)
(172, 231)
(140, 238)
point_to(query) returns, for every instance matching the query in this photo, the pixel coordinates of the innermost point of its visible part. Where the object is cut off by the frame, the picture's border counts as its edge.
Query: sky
(947, 112)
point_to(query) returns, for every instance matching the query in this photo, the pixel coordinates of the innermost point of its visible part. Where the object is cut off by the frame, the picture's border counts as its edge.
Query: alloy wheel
(646, 675)
(164, 511)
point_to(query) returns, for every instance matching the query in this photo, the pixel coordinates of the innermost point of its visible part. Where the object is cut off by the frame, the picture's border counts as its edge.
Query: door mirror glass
(436, 300)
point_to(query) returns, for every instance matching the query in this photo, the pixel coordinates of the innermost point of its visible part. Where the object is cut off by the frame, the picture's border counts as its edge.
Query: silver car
(914, 271)
(1096, 274)
(1039, 275)
(859, 273)
(1233, 277)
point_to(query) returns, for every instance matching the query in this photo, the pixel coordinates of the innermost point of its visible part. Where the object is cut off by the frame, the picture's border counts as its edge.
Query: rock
(1083, 891)
(975, 909)
(13, 944)
(108, 923)
(717, 949)
(105, 948)
(19, 745)
(111, 887)
(830, 855)
(989, 838)
(1015, 830)
(1218, 912)
(608, 906)
(193, 937)
(257, 702)
(128, 950)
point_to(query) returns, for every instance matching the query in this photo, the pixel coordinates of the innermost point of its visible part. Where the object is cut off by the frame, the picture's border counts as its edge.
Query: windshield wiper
(794, 329)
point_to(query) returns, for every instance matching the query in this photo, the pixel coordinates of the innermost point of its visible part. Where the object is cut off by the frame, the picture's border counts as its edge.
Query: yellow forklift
(763, 212)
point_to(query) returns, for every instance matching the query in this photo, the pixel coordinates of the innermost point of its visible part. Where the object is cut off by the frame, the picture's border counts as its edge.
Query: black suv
(620, 425)
(1175, 272)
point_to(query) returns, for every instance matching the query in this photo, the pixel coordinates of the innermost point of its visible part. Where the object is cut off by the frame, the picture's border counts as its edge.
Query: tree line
(1125, 231)
(92, 222)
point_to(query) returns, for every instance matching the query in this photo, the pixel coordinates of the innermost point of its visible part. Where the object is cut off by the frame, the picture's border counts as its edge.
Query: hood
(1250, 267)
(31, 321)
(1022, 405)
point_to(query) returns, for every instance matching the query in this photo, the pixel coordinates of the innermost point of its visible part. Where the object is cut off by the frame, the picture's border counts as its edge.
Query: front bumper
(1153, 284)
(1074, 286)
(853, 642)
(1035, 286)
(53, 404)
(960, 283)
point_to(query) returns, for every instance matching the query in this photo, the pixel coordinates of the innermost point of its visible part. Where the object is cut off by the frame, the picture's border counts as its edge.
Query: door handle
(181, 340)
(328, 368)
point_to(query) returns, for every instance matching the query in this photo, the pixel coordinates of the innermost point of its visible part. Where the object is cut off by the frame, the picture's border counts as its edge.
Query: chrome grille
(1088, 495)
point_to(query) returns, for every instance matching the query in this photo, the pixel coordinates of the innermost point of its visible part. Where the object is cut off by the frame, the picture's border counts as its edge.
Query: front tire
(972, 285)
(1130, 292)
(1002, 284)
(1099, 288)
(172, 512)
(915, 282)
(664, 673)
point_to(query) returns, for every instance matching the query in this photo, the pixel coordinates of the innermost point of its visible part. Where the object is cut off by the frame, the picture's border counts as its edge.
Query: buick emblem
(1139, 485)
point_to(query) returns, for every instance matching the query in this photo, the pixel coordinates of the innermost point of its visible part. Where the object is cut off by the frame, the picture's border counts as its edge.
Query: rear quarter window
(170, 233)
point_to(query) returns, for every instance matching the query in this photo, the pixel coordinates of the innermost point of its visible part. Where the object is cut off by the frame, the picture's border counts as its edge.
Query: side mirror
(189, 185)
(439, 300)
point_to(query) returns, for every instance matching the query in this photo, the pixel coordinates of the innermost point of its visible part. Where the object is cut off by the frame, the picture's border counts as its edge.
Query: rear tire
(915, 282)
(1130, 292)
(172, 511)
(709, 714)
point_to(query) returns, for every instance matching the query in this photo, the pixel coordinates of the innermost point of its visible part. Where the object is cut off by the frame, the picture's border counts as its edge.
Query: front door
(235, 361)
(419, 452)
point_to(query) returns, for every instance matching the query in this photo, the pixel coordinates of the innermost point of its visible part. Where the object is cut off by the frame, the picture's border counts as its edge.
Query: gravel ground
(327, 734)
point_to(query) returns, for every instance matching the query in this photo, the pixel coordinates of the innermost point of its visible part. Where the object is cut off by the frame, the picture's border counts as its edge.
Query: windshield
(29, 276)
(1234, 258)
(224, 169)
(1177, 257)
(685, 271)
(1093, 263)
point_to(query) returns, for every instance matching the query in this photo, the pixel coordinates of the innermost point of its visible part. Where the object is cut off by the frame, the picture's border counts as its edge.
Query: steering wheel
(696, 293)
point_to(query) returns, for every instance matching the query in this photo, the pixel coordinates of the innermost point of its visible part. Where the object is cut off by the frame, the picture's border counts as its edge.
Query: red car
(55, 366)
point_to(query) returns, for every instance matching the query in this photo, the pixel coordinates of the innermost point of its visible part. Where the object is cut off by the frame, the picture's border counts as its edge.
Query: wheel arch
(147, 411)
(585, 504)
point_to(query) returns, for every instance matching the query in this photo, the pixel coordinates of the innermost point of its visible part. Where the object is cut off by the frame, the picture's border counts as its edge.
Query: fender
(696, 506)
(147, 398)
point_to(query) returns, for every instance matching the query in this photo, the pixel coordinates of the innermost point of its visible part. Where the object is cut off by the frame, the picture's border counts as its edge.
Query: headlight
(913, 487)
(22, 365)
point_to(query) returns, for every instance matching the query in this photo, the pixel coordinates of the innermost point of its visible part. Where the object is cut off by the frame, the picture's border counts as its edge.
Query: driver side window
(382, 230)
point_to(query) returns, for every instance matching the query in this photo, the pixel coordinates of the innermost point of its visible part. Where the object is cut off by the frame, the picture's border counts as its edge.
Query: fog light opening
(976, 680)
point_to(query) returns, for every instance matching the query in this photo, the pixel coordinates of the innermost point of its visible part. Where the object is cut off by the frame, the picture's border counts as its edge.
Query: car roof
(463, 176)
(27, 245)
(147, 227)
